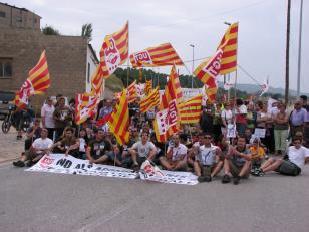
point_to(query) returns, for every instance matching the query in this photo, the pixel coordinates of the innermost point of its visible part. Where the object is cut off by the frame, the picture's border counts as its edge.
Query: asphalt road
(56, 202)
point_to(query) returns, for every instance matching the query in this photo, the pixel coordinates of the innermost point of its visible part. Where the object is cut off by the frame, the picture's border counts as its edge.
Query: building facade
(71, 60)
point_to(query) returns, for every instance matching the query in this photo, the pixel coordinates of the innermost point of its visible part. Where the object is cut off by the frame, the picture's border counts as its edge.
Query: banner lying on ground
(59, 163)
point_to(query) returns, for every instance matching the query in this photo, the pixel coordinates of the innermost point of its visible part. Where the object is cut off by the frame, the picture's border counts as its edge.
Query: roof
(18, 8)
(93, 52)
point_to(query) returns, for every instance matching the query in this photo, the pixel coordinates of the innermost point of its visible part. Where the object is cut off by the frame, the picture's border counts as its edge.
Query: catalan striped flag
(167, 122)
(148, 86)
(161, 55)
(119, 121)
(85, 106)
(190, 110)
(131, 92)
(114, 50)
(229, 47)
(151, 100)
(172, 90)
(97, 81)
(37, 82)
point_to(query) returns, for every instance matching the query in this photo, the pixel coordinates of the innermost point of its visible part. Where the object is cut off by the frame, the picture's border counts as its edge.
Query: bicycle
(10, 120)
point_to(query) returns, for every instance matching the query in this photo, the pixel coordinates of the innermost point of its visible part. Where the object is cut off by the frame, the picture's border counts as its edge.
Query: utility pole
(193, 46)
(299, 47)
(287, 53)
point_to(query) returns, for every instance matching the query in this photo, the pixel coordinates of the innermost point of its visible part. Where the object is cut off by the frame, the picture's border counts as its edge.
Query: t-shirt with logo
(99, 148)
(206, 155)
(178, 152)
(143, 149)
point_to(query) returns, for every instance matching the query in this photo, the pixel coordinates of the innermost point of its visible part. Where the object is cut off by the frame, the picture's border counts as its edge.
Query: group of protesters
(206, 148)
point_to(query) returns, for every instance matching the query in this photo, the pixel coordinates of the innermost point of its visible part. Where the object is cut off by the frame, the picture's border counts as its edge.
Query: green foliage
(185, 81)
(49, 30)
(87, 31)
(113, 83)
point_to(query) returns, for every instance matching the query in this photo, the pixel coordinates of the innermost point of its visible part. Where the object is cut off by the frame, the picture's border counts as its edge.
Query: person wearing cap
(48, 122)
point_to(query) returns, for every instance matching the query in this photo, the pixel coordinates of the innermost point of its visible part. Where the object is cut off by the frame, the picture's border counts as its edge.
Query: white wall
(89, 68)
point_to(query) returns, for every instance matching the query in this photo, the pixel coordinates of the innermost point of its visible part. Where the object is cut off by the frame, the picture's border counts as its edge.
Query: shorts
(288, 168)
(235, 170)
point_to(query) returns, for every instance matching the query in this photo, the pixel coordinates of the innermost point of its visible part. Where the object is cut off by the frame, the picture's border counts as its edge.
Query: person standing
(297, 118)
(48, 122)
(281, 127)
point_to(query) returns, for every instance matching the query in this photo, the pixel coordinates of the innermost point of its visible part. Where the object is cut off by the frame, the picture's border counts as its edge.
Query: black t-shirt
(98, 148)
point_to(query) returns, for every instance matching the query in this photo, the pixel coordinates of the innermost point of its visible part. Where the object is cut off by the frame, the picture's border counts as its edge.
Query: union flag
(161, 55)
(37, 82)
(172, 90)
(85, 106)
(114, 51)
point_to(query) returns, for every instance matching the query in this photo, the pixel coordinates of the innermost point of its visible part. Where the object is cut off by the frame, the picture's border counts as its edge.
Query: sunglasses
(207, 137)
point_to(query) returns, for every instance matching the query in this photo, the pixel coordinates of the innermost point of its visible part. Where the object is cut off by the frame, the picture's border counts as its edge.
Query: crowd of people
(206, 148)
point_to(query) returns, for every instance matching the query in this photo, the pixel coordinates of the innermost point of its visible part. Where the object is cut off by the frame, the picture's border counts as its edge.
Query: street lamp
(193, 46)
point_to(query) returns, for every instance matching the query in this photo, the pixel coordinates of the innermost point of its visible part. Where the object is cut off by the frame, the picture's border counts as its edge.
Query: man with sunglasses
(207, 159)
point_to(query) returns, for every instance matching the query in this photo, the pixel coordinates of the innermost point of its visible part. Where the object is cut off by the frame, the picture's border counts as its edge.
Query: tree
(49, 30)
(87, 31)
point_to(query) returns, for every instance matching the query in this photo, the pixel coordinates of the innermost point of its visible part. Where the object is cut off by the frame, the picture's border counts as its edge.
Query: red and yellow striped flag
(161, 55)
(97, 81)
(151, 100)
(37, 82)
(190, 110)
(85, 104)
(229, 47)
(119, 121)
(167, 122)
(148, 86)
(114, 51)
(172, 89)
(131, 92)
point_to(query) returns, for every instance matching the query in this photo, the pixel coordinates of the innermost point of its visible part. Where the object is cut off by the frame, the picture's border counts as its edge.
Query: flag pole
(128, 60)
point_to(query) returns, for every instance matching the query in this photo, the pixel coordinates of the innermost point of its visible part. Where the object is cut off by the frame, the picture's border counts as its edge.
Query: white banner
(153, 173)
(59, 163)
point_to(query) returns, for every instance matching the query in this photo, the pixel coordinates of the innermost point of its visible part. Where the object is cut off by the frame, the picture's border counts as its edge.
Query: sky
(262, 30)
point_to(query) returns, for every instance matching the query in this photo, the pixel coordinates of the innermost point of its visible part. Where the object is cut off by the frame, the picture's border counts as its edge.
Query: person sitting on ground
(142, 150)
(257, 155)
(83, 141)
(207, 162)
(176, 156)
(38, 149)
(297, 157)
(237, 162)
(68, 145)
(97, 149)
(33, 133)
(160, 147)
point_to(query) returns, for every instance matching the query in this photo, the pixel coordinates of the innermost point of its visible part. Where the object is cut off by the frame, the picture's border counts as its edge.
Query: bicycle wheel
(6, 125)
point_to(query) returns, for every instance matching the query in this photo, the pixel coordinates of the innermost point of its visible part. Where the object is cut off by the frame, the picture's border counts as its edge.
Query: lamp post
(193, 46)
(299, 48)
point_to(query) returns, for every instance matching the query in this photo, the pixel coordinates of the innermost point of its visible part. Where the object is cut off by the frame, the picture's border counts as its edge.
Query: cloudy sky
(262, 29)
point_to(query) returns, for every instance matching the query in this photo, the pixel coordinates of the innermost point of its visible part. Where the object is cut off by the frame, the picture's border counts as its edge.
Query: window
(88, 73)
(5, 68)
(2, 14)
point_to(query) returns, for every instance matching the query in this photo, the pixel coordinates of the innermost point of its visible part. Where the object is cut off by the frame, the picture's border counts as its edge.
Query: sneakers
(19, 164)
(226, 179)
(257, 172)
(236, 180)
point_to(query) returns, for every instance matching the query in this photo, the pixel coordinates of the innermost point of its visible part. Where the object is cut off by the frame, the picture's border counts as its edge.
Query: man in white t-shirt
(207, 160)
(176, 156)
(47, 112)
(142, 150)
(38, 149)
(297, 157)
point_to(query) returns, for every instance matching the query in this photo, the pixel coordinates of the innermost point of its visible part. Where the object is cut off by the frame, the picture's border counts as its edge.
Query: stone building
(71, 59)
